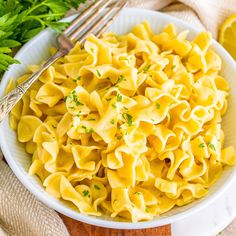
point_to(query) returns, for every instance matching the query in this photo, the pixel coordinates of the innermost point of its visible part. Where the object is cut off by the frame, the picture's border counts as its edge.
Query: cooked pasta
(128, 125)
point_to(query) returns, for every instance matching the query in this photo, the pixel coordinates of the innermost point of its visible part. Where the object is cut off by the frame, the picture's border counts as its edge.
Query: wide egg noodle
(128, 125)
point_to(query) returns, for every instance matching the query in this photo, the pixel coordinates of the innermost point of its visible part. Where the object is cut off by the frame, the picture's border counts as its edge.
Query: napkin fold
(21, 214)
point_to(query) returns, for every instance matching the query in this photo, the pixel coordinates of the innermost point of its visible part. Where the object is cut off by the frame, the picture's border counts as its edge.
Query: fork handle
(10, 100)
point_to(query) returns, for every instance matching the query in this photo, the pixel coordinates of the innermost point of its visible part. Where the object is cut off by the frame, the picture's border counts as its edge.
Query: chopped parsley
(121, 78)
(65, 98)
(128, 118)
(146, 209)
(98, 72)
(96, 187)
(72, 107)
(79, 114)
(78, 78)
(125, 108)
(119, 98)
(146, 68)
(86, 193)
(75, 98)
(212, 147)
(152, 120)
(112, 121)
(137, 193)
(173, 67)
(158, 106)
(87, 130)
(108, 99)
(92, 50)
(201, 145)
(91, 119)
(113, 105)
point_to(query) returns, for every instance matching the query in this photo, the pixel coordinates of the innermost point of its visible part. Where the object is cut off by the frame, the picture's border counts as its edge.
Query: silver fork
(89, 21)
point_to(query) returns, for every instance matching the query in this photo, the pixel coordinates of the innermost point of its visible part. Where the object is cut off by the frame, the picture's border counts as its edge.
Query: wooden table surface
(77, 228)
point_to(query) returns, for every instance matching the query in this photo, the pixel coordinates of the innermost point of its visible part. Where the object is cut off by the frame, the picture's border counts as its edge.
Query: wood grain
(77, 228)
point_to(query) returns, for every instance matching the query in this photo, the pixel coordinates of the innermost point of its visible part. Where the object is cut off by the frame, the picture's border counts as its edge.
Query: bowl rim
(99, 221)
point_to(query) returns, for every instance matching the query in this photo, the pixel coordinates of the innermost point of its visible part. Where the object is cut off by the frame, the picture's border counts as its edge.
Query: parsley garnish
(87, 130)
(128, 118)
(96, 187)
(112, 121)
(86, 193)
(75, 99)
(119, 98)
(79, 114)
(99, 74)
(113, 105)
(92, 50)
(201, 145)
(212, 147)
(158, 106)
(146, 68)
(22, 20)
(65, 98)
(78, 78)
(173, 67)
(137, 193)
(121, 78)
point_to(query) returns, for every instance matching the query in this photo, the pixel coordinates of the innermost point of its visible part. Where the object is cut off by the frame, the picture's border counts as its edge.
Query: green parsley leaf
(128, 118)
(96, 187)
(119, 98)
(87, 130)
(112, 121)
(158, 106)
(86, 193)
(22, 20)
(113, 105)
(201, 145)
(120, 79)
(173, 67)
(78, 78)
(212, 147)
(146, 68)
(137, 193)
(98, 72)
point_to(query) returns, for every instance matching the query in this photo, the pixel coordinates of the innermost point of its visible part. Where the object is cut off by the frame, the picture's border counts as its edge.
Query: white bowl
(37, 50)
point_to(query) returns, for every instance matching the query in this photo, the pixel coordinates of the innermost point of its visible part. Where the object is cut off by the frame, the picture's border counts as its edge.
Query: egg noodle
(128, 125)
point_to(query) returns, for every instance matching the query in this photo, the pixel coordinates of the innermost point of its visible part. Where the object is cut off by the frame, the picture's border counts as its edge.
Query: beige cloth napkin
(20, 212)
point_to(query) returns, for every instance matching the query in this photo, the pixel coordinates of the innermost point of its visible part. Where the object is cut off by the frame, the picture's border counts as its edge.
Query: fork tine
(79, 19)
(107, 25)
(89, 20)
(77, 33)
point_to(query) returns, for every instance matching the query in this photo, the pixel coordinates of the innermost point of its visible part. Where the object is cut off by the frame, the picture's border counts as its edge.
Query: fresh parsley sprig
(20, 20)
